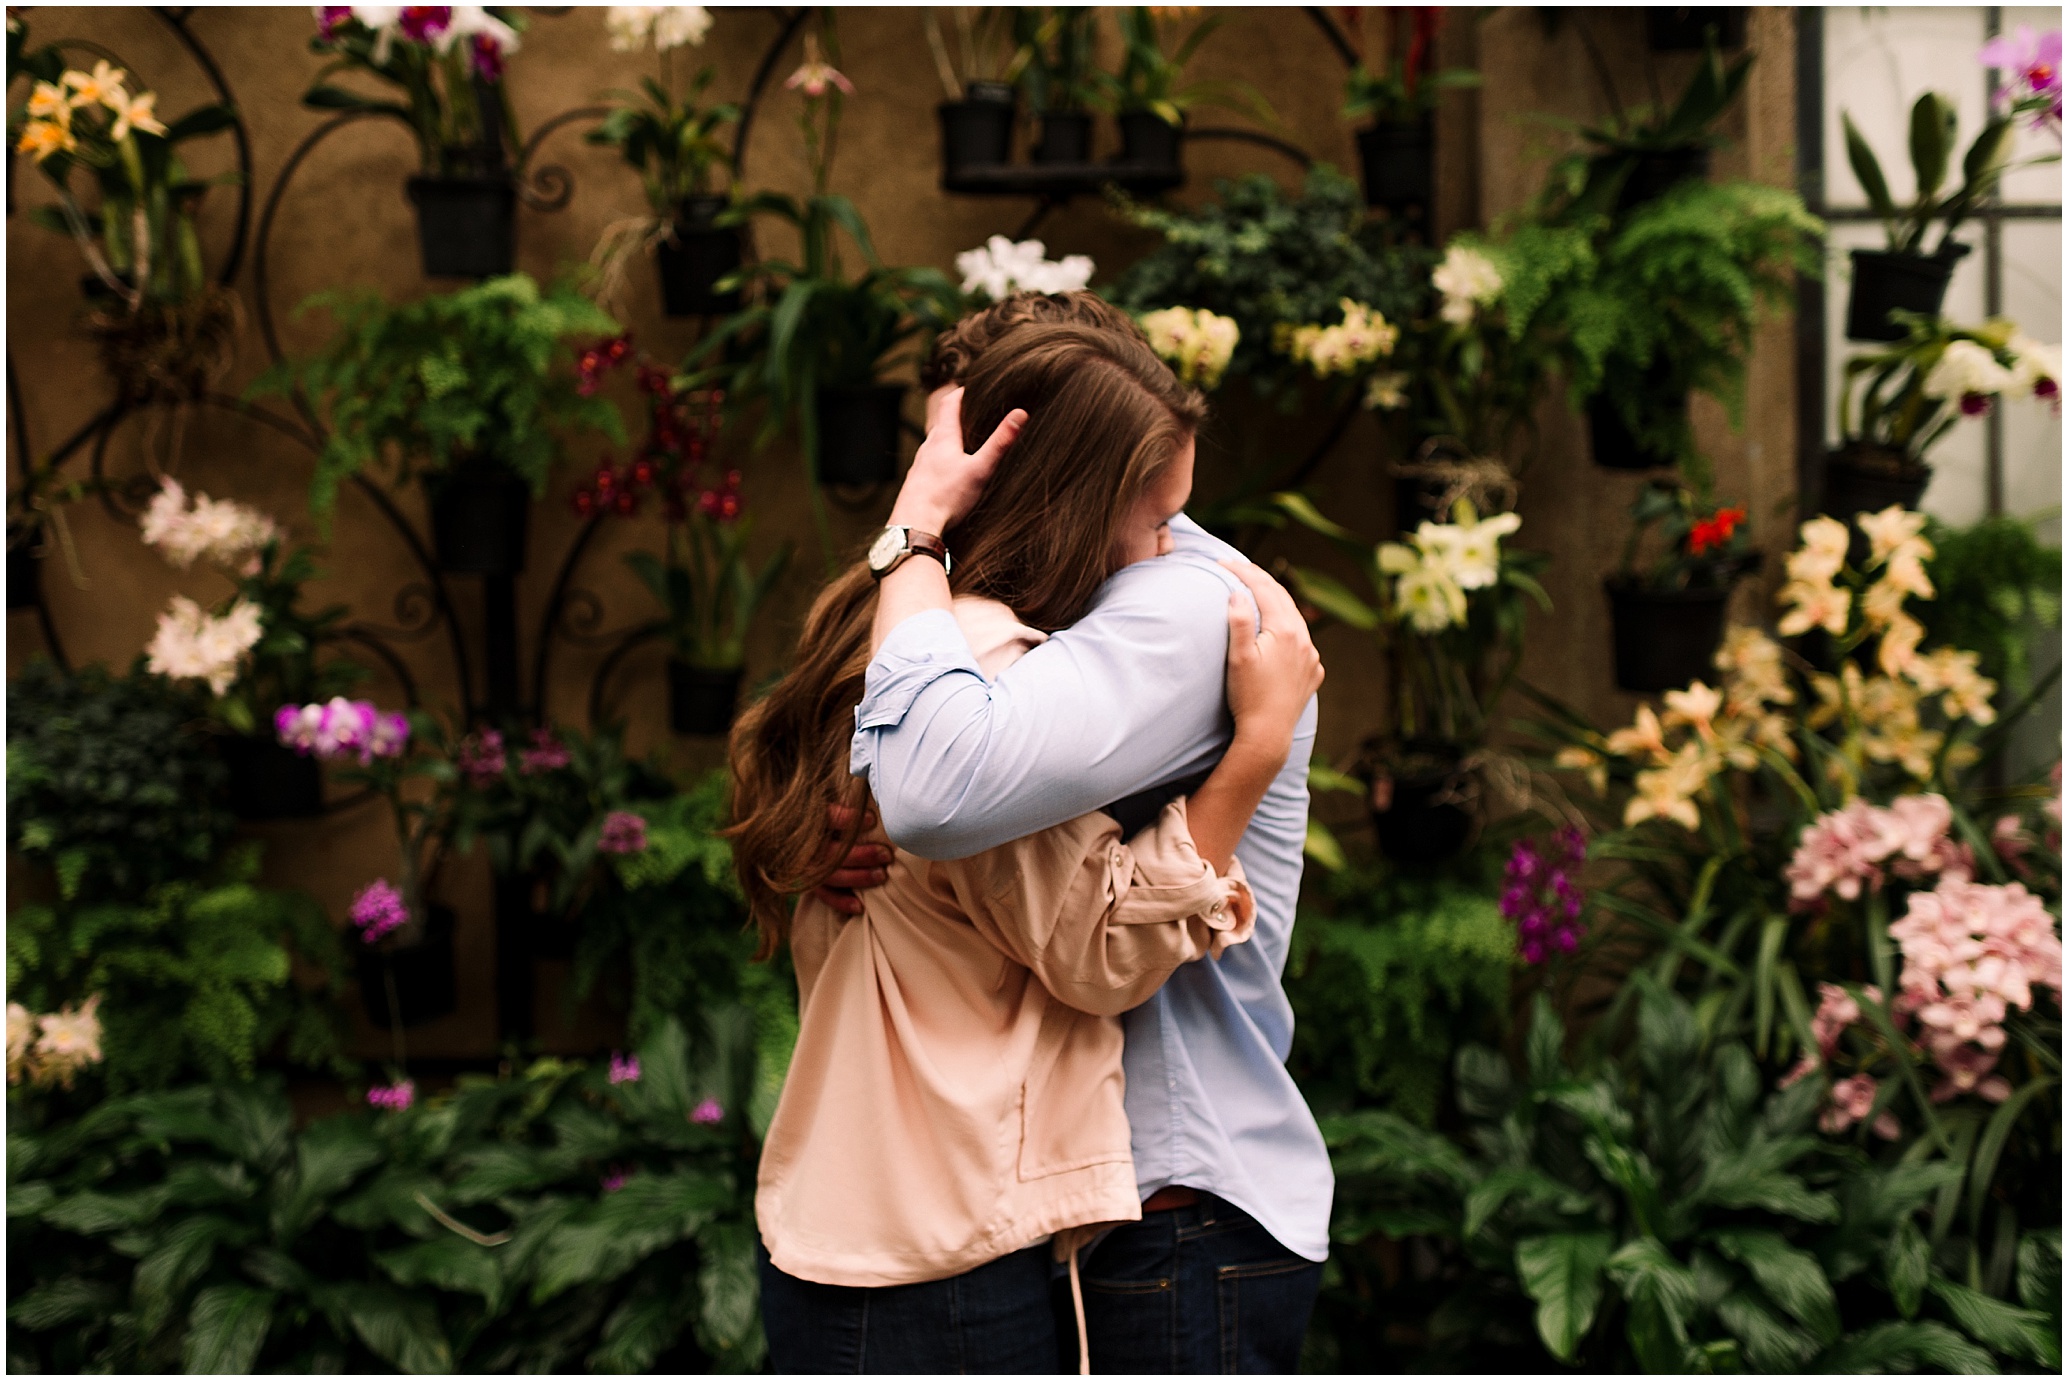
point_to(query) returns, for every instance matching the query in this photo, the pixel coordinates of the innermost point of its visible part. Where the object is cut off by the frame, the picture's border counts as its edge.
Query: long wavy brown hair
(1105, 417)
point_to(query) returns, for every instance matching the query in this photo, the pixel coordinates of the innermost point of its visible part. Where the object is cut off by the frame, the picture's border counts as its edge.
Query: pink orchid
(2032, 65)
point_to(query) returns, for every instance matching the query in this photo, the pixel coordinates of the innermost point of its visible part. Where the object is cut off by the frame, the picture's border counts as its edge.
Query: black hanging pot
(1686, 28)
(24, 573)
(1147, 140)
(976, 131)
(1421, 809)
(1884, 282)
(1616, 447)
(858, 433)
(1866, 479)
(1399, 163)
(698, 253)
(1065, 138)
(1664, 638)
(480, 516)
(270, 781)
(466, 225)
(425, 973)
(1656, 173)
(702, 700)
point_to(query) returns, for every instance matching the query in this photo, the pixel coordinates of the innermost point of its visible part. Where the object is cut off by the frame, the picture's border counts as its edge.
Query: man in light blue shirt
(1222, 1272)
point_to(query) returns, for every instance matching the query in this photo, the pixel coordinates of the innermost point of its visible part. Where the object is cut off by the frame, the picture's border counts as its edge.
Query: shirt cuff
(917, 653)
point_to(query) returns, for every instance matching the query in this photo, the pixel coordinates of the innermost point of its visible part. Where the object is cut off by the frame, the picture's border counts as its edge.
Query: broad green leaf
(1322, 846)
(177, 1259)
(602, 1240)
(401, 1330)
(1533, 1186)
(1902, 1347)
(2039, 1270)
(226, 1329)
(2000, 1327)
(1990, 1148)
(1790, 1276)
(1931, 142)
(1562, 1273)
(1769, 1344)
(728, 1286)
(1663, 1297)
(1545, 1045)
(1334, 598)
(1906, 1263)
(1867, 168)
(1301, 509)
(652, 1317)
(61, 1301)
(449, 1263)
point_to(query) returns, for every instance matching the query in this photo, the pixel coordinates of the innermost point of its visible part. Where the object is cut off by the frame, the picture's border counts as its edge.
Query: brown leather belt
(1170, 1196)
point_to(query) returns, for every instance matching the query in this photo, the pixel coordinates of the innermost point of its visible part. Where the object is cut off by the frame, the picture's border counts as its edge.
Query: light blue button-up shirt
(1128, 698)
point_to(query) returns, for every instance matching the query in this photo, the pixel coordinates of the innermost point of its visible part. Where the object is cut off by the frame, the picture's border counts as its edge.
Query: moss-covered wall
(343, 222)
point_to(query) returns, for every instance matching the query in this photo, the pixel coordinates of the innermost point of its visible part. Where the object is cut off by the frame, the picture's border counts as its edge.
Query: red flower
(585, 501)
(331, 19)
(488, 58)
(626, 503)
(619, 348)
(641, 474)
(424, 23)
(1714, 531)
(606, 479)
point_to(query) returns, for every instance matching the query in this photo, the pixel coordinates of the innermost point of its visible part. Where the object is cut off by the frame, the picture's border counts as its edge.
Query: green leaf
(2000, 1327)
(1931, 142)
(449, 1263)
(1562, 1273)
(2039, 1270)
(603, 1240)
(1545, 1046)
(400, 1330)
(1867, 168)
(1901, 1347)
(177, 1259)
(1663, 1297)
(62, 1301)
(1769, 1344)
(1906, 1263)
(1322, 846)
(1990, 1148)
(226, 1329)
(1789, 1275)
(1334, 598)
(728, 1287)
(1301, 509)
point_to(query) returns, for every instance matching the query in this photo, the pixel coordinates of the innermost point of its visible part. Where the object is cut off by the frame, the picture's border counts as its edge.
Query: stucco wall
(344, 222)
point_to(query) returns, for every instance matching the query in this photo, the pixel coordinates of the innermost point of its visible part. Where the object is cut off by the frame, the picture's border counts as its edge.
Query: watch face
(889, 545)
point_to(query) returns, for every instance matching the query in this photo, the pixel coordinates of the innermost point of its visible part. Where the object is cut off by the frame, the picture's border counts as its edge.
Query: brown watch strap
(927, 544)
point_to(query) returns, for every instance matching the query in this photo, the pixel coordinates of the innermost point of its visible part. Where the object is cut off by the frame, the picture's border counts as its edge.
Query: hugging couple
(1038, 1116)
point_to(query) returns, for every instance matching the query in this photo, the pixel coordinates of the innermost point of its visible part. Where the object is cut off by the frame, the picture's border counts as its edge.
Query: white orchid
(1968, 369)
(1476, 554)
(191, 644)
(999, 268)
(1468, 280)
(667, 26)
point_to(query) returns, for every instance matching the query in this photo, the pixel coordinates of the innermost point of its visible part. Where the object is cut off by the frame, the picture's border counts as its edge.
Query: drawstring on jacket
(1077, 1303)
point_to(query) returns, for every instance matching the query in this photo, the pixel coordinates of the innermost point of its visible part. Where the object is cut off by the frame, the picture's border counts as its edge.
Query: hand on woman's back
(1273, 667)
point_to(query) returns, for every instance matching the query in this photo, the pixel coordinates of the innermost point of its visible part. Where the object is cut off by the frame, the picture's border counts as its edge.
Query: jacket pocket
(1071, 1110)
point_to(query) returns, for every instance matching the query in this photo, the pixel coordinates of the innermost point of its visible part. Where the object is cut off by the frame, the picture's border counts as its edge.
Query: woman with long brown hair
(952, 1118)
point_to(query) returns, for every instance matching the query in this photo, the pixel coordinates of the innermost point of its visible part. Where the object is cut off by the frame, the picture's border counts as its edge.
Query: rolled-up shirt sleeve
(1127, 698)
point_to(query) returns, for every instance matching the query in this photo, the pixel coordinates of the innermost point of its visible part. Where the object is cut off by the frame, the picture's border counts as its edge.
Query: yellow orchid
(47, 101)
(102, 86)
(1642, 739)
(42, 138)
(135, 113)
(1816, 606)
(1822, 554)
(1666, 793)
(1585, 760)
(1899, 645)
(1894, 529)
(1695, 707)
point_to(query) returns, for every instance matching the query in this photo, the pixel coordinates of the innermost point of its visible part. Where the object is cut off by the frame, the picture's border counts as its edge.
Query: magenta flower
(615, 1180)
(378, 910)
(481, 757)
(623, 833)
(394, 1097)
(708, 1113)
(624, 1069)
(546, 754)
(1543, 895)
(2031, 64)
(488, 58)
(389, 737)
(297, 726)
(341, 727)
(425, 23)
(331, 18)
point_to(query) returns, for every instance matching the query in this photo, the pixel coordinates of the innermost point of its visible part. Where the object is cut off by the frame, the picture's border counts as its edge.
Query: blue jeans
(994, 1319)
(1196, 1289)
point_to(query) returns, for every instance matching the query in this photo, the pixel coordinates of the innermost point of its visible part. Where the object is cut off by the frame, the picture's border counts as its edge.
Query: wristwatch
(894, 544)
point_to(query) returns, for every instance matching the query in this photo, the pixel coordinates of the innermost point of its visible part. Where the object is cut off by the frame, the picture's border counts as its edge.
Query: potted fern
(468, 392)
(1902, 278)
(1397, 149)
(447, 63)
(674, 146)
